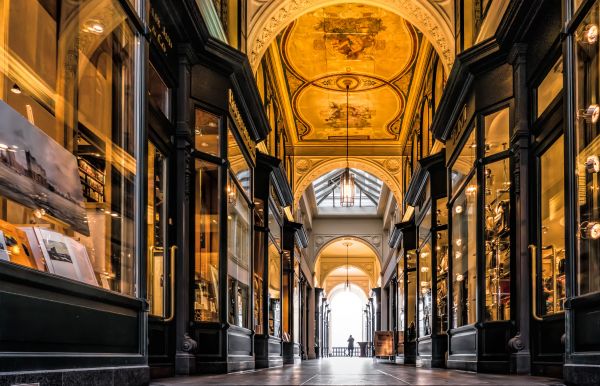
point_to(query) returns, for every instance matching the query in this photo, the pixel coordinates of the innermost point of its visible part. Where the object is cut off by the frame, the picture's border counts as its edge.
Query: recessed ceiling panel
(366, 49)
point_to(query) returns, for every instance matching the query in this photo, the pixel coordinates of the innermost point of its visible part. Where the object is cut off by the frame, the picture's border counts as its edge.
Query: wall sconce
(231, 193)
(592, 164)
(590, 114)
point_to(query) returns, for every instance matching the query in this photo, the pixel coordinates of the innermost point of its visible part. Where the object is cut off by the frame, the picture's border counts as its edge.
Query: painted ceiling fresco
(368, 49)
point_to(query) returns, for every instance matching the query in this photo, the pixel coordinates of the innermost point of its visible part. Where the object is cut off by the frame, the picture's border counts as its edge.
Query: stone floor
(355, 371)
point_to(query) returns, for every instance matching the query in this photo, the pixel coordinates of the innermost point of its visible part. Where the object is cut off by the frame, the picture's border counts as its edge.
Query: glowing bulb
(458, 209)
(471, 189)
(15, 249)
(424, 269)
(94, 26)
(457, 255)
(458, 242)
(16, 89)
(459, 277)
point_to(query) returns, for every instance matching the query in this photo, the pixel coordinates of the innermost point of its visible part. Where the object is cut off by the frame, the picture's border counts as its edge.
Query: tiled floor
(355, 371)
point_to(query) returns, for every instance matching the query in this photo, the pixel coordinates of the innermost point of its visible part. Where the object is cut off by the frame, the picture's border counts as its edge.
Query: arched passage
(388, 172)
(347, 306)
(431, 18)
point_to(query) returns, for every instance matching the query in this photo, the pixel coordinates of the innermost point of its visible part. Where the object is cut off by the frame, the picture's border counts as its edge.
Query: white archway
(274, 15)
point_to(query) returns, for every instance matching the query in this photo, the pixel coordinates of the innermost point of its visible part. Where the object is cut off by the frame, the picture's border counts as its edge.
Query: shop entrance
(161, 250)
(548, 248)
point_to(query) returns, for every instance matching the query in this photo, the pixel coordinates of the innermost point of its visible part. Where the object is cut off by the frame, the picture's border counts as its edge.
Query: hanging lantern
(347, 189)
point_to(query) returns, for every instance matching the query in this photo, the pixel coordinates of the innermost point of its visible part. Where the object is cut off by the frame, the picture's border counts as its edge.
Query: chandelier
(347, 178)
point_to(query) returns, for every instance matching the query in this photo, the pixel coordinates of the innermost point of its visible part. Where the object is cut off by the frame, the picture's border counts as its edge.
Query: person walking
(350, 345)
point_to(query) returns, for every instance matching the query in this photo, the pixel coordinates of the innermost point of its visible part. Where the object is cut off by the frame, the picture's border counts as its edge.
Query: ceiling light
(16, 89)
(94, 26)
(347, 179)
(593, 229)
(471, 189)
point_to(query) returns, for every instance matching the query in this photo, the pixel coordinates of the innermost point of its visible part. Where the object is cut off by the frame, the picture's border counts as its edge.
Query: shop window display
(274, 292)
(206, 133)
(587, 142)
(552, 215)
(259, 267)
(239, 165)
(206, 240)
(497, 240)
(67, 143)
(496, 132)
(425, 290)
(464, 265)
(238, 252)
(412, 278)
(442, 280)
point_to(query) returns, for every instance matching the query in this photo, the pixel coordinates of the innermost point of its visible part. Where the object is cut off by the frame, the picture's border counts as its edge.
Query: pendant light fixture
(347, 178)
(347, 244)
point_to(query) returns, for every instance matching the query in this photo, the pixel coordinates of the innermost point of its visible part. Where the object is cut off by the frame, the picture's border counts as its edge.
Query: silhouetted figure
(350, 345)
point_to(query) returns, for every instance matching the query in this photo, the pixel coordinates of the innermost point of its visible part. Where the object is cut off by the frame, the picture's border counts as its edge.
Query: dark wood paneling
(464, 342)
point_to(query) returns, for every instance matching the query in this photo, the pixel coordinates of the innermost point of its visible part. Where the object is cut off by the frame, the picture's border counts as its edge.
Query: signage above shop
(159, 33)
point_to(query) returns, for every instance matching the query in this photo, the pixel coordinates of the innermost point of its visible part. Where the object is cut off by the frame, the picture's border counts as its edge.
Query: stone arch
(361, 239)
(386, 170)
(430, 17)
(337, 289)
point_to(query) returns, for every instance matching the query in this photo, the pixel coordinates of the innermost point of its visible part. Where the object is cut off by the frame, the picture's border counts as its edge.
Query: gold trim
(241, 126)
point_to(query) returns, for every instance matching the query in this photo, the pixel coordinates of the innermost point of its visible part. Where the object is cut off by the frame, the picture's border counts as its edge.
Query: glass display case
(442, 280)
(425, 290)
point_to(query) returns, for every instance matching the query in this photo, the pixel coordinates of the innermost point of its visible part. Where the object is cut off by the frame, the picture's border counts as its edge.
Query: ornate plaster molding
(271, 19)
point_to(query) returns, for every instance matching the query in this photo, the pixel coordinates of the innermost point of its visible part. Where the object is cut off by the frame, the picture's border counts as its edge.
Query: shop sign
(159, 33)
(384, 343)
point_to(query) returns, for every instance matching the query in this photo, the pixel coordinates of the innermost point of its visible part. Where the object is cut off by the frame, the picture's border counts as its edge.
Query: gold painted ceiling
(371, 50)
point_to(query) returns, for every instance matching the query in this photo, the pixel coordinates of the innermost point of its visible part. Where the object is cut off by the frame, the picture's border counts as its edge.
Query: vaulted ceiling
(366, 49)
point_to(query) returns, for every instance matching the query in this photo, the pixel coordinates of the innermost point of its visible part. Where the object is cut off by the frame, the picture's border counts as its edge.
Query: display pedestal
(291, 353)
(268, 351)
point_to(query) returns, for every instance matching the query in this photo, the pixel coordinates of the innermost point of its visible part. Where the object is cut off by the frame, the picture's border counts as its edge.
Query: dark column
(185, 360)
(318, 345)
(377, 295)
(521, 357)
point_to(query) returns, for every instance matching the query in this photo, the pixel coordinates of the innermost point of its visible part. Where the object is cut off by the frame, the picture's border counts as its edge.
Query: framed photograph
(36, 248)
(79, 253)
(56, 253)
(39, 173)
(16, 245)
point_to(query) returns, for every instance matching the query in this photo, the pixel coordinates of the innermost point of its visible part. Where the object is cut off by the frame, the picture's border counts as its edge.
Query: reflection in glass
(425, 225)
(238, 163)
(274, 224)
(206, 240)
(206, 133)
(259, 269)
(441, 252)
(425, 290)
(464, 265)
(497, 240)
(157, 229)
(464, 163)
(550, 87)
(238, 254)
(552, 216)
(496, 134)
(72, 79)
(411, 316)
(587, 81)
(441, 211)
(401, 310)
(274, 292)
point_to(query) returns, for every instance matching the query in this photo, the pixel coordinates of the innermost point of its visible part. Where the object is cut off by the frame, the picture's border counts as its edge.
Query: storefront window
(296, 300)
(425, 290)
(275, 225)
(401, 310)
(496, 132)
(206, 133)
(587, 149)
(157, 229)
(238, 164)
(441, 211)
(552, 215)
(425, 225)
(550, 87)
(441, 251)
(464, 245)
(497, 240)
(411, 332)
(67, 141)
(238, 252)
(274, 290)
(206, 240)
(464, 163)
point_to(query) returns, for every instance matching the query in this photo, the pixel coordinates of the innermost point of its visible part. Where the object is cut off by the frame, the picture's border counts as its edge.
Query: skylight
(367, 189)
